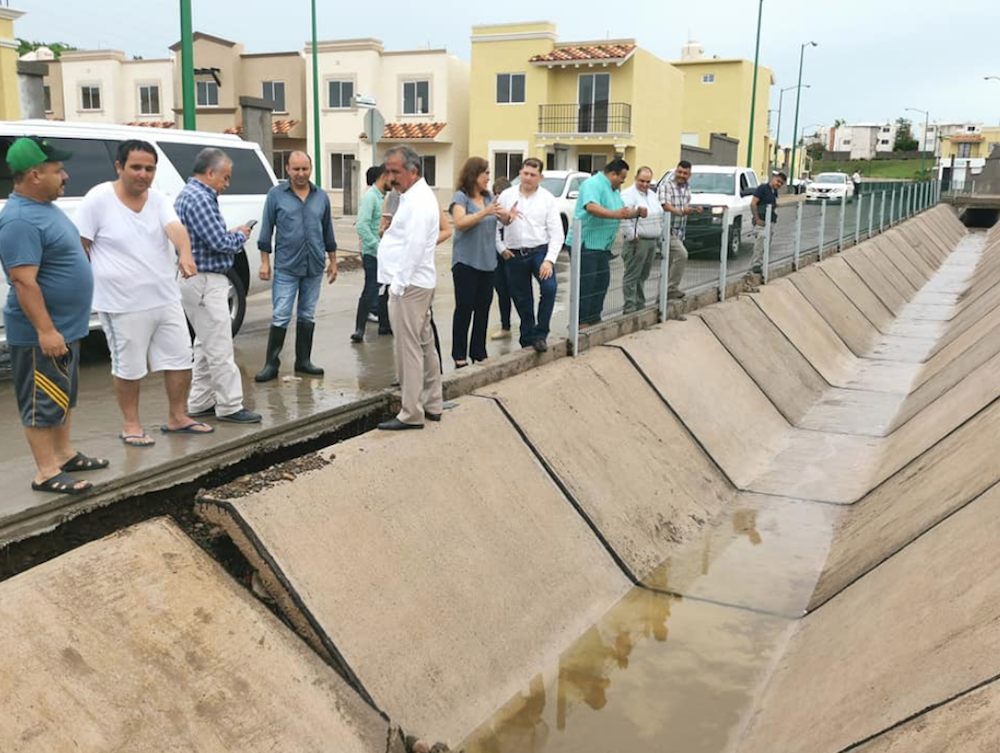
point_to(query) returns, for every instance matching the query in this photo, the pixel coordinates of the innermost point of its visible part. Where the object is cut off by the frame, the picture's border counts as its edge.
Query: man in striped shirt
(675, 197)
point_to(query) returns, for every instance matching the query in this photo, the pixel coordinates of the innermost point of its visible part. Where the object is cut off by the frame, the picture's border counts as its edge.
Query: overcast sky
(874, 59)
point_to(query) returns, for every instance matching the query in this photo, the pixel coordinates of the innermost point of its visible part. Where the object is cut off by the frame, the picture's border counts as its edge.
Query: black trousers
(473, 298)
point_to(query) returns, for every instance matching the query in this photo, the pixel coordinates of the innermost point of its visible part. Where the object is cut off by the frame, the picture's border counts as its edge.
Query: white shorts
(158, 336)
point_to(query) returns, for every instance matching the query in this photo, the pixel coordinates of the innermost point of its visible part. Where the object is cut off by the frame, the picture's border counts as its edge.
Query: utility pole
(187, 67)
(316, 104)
(798, 97)
(753, 96)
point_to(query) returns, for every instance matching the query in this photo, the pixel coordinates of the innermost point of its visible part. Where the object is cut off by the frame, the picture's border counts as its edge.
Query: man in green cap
(47, 311)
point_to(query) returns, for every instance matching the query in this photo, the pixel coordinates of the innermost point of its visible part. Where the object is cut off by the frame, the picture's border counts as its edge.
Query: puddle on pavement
(678, 673)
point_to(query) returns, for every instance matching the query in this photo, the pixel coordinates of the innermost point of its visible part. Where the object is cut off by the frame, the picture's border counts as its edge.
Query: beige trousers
(416, 359)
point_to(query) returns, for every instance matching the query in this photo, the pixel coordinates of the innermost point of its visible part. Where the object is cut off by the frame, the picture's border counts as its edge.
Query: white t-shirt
(135, 266)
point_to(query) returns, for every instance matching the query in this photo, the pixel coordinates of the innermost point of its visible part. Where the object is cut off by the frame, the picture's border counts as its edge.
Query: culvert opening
(975, 217)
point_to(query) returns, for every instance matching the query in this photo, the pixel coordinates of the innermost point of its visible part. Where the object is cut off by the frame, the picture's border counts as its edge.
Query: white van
(94, 147)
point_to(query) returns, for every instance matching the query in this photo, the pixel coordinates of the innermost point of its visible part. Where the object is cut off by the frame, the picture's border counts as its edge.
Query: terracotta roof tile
(586, 52)
(965, 138)
(412, 131)
(278, 128)
(153, 123)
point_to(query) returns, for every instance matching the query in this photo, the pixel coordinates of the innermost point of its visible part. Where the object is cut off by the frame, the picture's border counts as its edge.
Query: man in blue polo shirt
(47, 311)
(600, 209)
(764, 196)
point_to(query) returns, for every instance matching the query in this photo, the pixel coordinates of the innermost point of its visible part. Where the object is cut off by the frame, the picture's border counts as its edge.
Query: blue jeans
(520, 270)
(284, 290)
(595, 277)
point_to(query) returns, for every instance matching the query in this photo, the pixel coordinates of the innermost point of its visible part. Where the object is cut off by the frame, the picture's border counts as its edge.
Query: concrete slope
(968, 724)
(140, 642)
(837, 310)
(840, 273)
(930, 488)
(620, 451)
(891, 645)
(439, 568)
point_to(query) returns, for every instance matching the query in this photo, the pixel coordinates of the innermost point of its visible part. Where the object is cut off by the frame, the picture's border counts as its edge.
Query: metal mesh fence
(618, 267)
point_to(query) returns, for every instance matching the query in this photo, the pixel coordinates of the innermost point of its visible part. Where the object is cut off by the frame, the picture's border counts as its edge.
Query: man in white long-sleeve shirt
(406, 265)
(642, 239)
(531, 239)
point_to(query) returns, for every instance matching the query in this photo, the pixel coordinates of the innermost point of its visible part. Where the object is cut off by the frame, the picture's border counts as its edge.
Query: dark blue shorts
(45, 386)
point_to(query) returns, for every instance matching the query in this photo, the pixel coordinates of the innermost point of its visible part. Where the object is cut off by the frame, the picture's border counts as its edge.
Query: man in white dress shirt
(642, 239)
(531, 239)
(406, 265)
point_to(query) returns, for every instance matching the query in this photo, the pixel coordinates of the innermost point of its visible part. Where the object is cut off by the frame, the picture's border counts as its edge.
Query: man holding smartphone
(298, 215)
(216, 385)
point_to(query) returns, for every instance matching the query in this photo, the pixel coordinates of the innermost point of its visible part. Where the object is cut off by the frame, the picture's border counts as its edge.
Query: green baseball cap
(26, 153)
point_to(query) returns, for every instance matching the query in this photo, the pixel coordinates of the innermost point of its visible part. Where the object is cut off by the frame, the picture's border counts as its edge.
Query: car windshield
(712, 182)
(830, 178)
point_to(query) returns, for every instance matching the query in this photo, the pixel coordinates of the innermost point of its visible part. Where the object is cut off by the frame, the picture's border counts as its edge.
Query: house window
(550, 161)
(341, 94)
(278, 163)
(428, 169)
(964, 151)
(274, 91)
(591, 163)
(970, 129)
(207, 94)
(416, 97)
(846, 142)
(510, 88)
(886, 129)
(708, 78)
(149, 100)
(90, 98)
(340, 169)
(593, 95)
(47, 97)
(506, 164)
(884, 142)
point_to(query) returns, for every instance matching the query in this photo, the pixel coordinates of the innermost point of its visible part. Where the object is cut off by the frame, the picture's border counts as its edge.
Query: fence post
(664, 264)
(892, 206)
(859, 205)
(575, 270)
(881, 214)
(767, 244)
(871, 215)
(843, 217)
(822, 228)
(798, 235)
(973, 188)
(724, 254)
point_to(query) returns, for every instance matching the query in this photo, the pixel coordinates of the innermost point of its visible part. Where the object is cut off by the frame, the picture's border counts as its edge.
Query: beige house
(103, 86)
(224, 74)
(421, 94)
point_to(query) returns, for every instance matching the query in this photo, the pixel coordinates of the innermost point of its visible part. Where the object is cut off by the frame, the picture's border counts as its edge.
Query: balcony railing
(603, 117)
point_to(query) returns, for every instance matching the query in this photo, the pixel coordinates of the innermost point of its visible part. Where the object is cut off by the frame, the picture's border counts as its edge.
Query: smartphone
(251, 223)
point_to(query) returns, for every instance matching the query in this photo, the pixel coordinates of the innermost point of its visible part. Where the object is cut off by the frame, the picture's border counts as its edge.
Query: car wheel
(734, 239)
(237, 300)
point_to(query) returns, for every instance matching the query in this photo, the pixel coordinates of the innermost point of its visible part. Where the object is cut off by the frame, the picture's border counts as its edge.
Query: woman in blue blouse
(473, 260)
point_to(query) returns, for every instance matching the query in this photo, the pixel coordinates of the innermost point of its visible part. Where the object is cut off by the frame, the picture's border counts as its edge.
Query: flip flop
(130, 440)
(81, 462)
(189, 429)
(62, 483)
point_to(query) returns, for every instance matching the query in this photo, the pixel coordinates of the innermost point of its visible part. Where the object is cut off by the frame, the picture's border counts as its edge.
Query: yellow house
(717, 98)
(970, 145)
(575, 106)
(10, 97)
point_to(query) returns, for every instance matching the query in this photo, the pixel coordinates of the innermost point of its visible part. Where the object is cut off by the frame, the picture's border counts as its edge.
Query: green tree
(904, 137)
(58, 48)
(815, 150)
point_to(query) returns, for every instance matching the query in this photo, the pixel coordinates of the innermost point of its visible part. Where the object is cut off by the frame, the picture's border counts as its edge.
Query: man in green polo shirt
(369, 220)
(600, 208)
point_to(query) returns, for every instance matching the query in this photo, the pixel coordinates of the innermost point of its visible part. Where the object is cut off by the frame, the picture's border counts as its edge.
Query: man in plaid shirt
(216, 385)
(675, 198)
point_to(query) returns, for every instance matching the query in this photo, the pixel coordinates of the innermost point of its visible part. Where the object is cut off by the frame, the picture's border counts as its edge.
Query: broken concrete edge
(223, 514)
(50, 514)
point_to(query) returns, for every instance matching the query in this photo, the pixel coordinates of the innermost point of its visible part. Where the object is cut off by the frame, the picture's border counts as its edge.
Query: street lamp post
(923, 144)
(187, 67)
(316, 105)
(753, 95)
(798, 97)
(777, 136)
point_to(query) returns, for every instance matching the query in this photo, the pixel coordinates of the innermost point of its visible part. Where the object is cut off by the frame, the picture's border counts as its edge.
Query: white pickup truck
(724, 193)
(93, 162)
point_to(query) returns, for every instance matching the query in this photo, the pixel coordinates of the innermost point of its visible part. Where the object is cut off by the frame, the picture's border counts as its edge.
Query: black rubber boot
(275, 342)
(360, 320)
(383, 315)
(303, 349)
